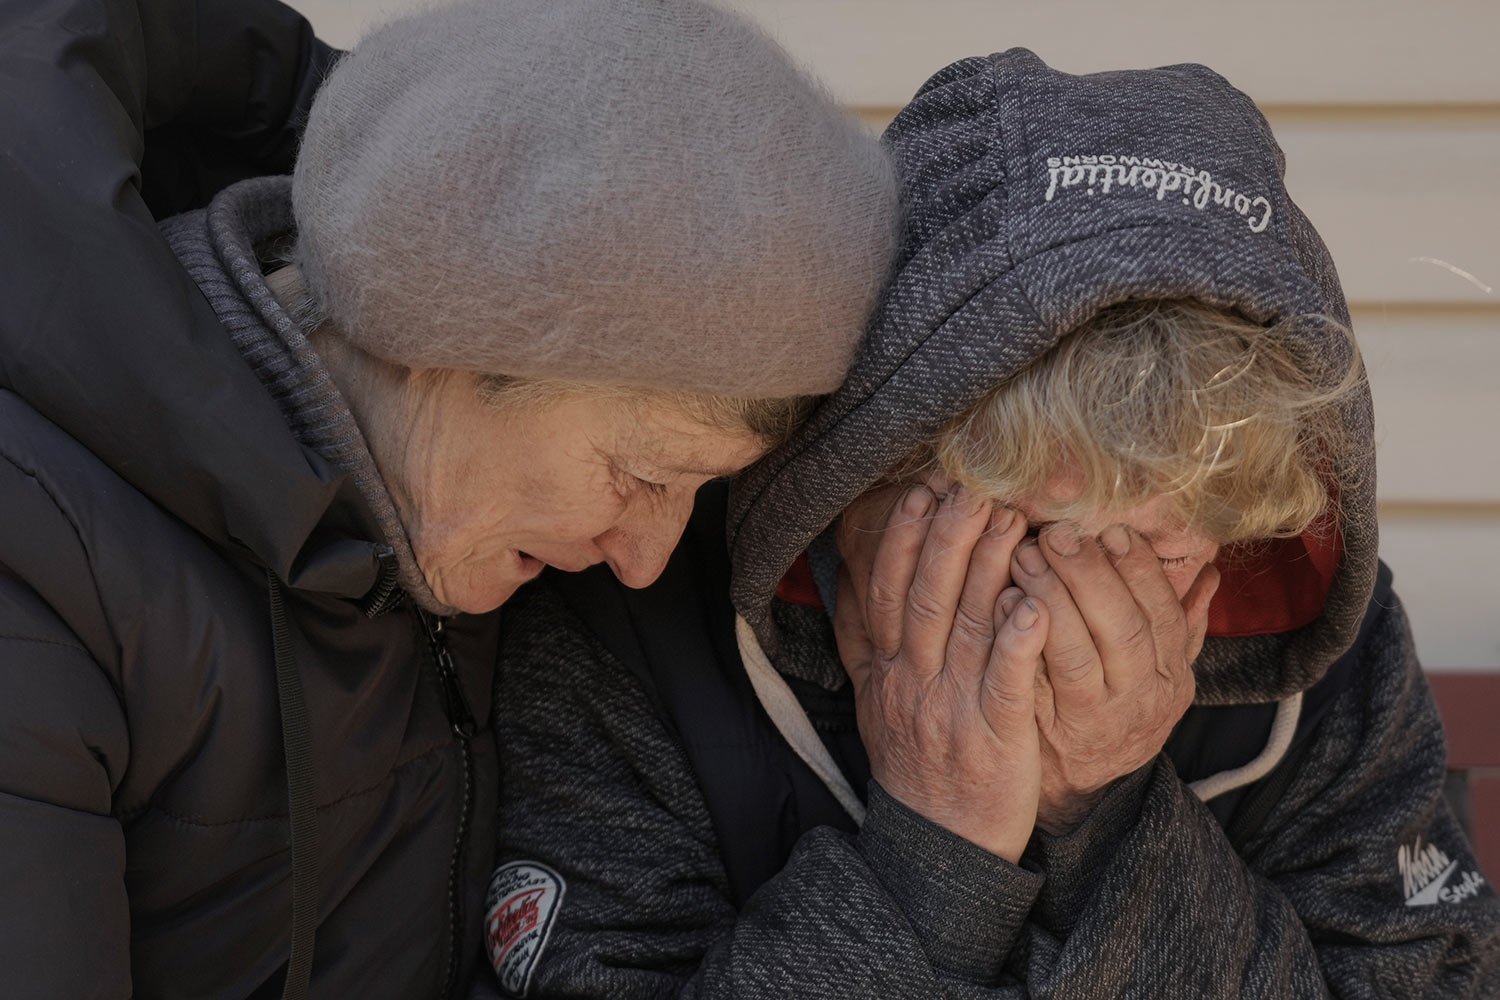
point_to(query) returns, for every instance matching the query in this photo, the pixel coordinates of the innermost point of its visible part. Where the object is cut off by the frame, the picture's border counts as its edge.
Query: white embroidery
(521, 905)
(1425, 872)
(1107, 172)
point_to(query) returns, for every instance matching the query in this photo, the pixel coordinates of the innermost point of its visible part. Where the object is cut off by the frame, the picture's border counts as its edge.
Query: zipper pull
(387, 592)
(455, 702)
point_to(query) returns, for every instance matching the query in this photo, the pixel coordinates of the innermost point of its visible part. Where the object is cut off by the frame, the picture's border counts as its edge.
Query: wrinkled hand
(1118, 655)
(944, 685)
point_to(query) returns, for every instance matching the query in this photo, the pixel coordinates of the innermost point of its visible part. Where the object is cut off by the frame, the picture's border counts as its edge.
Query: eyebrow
(716, 472)
(1151, 537)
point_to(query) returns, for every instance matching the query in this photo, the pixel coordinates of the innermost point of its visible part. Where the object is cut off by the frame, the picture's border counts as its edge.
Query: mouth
(531, 565)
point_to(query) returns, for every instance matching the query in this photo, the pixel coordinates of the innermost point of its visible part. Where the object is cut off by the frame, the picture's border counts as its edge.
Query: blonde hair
(1163, 398)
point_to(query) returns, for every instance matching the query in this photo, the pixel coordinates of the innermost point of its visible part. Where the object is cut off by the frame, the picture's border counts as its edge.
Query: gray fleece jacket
(1035, 198)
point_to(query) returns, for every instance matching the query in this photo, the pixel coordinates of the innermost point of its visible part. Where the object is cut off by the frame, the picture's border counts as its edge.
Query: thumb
(1195, 605)
(856, 651)
(1008, 690)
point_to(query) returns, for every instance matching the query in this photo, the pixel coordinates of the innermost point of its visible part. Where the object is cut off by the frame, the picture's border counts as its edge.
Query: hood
(1034, 199)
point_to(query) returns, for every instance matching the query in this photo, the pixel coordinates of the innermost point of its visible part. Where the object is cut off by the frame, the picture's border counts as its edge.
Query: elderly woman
(543, 270)
(1131, 382)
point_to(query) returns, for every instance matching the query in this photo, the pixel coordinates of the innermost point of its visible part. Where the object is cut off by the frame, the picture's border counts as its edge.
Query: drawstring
(1283, 728)
(791, 720)
(296, 746)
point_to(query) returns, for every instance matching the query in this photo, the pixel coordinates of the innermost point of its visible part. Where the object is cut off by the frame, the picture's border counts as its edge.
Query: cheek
(575, 518)
(1182, 577)
(570, 505)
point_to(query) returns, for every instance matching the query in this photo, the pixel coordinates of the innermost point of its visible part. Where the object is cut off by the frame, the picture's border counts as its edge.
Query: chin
(492, 598)
(480, 598)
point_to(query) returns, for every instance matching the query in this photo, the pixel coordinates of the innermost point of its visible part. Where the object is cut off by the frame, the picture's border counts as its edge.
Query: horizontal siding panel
(1433, 373)
(1406, 202)
(1448, 576)
(878, 52)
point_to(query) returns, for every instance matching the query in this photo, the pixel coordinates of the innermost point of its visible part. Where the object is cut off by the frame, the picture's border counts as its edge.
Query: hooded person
(1109, 316)
(541, 270)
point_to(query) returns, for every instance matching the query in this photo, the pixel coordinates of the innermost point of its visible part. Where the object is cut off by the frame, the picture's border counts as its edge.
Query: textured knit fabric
(218, 248)
(632, 192)
(1149, 898)
(1357, 883)
(1176, 192)
(149, 482)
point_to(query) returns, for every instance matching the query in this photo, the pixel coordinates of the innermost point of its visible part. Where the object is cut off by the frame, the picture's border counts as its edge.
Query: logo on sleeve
(1427, 876)
(521, 907)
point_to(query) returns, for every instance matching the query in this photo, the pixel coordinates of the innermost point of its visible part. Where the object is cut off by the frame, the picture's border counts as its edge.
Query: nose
(638, 546)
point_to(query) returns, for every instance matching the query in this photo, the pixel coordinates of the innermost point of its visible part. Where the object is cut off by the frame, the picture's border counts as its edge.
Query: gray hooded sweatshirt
(1035, 199)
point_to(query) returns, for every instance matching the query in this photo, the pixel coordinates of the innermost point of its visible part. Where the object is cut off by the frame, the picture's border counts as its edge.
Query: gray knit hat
(626, 192)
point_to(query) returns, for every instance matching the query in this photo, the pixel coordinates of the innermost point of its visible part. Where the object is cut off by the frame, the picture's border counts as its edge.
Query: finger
(1138, 565)
(1009, 598)
(1073, 666)
(1120, 631)
(939, 482)
(1008, 688)
(894, 567)
(932, 601)
(856, 651)
(988, 574)
(1195, 604)
(859, 530)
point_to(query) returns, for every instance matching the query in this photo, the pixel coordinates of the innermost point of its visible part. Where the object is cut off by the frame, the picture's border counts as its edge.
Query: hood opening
(1269, 587)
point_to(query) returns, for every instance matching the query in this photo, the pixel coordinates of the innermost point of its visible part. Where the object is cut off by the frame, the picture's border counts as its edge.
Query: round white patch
(520, 909)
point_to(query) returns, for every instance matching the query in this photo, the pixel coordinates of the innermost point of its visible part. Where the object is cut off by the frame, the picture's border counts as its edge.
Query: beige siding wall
(1389, 112)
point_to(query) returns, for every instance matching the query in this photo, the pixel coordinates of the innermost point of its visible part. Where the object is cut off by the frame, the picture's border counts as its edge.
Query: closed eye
(627, 483)
(1176, 562)
(655, 489)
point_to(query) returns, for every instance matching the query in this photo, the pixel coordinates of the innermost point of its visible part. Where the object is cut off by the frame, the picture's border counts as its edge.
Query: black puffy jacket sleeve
(83, 84)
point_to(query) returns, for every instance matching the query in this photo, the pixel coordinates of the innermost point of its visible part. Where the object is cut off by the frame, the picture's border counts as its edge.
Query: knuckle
(924, 607)
(882, 599)
(973, 629)
(1138, 641)
(1003, 698)
(1070, 661)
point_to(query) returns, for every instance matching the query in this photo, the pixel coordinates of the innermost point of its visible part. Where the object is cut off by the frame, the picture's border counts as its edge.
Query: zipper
(461, 723)
(386, 593)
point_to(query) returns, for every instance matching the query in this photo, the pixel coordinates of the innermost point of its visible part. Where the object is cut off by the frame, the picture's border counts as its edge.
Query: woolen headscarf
(626, 192)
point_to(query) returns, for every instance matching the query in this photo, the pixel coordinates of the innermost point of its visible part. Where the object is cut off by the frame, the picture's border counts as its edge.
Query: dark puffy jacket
(151, 490)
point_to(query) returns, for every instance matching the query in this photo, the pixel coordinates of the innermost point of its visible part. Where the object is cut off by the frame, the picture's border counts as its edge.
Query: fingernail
(1116, 540)
(964, 501)
(918, 502)
(1026, 615)
(1030, 557)
(1009, 600)
(1063, 540)
(1002, 519)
